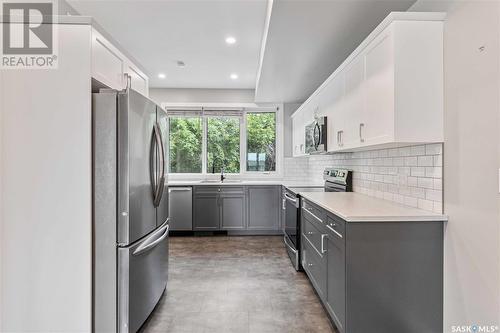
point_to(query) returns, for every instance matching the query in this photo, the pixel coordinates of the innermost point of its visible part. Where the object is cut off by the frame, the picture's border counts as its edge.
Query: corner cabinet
(111, 67)
(375, 277)
(388, 92)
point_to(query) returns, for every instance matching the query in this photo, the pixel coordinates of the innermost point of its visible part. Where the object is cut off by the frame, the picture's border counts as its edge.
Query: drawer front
(314, 210)
(233, 190)
(315, 236)
(205, 189)
(335, 226)
(315, 266)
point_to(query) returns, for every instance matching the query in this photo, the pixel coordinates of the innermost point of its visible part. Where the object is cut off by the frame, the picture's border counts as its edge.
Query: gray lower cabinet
(237, 208)
(233, 212)
(335, 263)
(206, 212)
(264, 207)
(219, 208)
(375, 277)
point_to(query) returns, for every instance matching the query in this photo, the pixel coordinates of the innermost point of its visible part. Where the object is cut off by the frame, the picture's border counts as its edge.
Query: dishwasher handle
(179, 189)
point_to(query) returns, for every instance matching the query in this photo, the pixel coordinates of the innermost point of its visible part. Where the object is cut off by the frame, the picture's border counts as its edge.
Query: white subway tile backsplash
(425, 161)
(408, 175)
(434, 195)
(418, 171)
(426, 204)
(434, 149)
(417, 150)
(425, 182)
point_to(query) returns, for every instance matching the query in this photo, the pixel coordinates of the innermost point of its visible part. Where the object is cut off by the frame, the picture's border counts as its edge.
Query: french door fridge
(130, 209)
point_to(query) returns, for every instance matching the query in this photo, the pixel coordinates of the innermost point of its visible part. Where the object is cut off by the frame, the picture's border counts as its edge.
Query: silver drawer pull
(310, 232)
(309, 264)
(334, 231)
(313, 215)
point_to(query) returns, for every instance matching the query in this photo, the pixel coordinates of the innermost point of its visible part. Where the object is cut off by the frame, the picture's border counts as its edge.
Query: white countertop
(245, 183)
(356, 207)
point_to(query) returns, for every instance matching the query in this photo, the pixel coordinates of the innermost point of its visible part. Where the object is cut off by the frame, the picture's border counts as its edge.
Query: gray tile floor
(235, 284)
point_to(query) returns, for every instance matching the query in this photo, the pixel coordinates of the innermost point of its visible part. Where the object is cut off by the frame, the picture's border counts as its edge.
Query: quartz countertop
(244, 183)
(356, 207)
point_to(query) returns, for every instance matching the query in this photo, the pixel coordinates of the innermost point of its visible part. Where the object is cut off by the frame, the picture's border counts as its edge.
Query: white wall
(171, 95)
(46, 192)
(471, 161)
(1, 192)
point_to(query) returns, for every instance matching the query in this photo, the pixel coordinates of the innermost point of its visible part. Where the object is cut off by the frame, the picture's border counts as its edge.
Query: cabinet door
(138, 80)
(335, 254)
(315, 267)
(264, 207)
(206, 212)
(107, 62)
(233, 212)
(330, 106)
(378, 117)
(354, 102)
(298, 135)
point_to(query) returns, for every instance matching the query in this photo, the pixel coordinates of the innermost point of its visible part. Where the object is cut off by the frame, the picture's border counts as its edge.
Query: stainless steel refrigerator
(130, 218)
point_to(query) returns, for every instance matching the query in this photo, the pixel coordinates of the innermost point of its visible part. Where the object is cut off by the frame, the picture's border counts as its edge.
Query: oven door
(291, 215)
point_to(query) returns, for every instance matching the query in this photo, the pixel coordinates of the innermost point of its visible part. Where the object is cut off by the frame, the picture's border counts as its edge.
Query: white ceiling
(160, 32)
(308, 40)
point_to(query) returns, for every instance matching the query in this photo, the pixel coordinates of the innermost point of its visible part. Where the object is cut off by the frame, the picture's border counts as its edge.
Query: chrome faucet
(222, 177)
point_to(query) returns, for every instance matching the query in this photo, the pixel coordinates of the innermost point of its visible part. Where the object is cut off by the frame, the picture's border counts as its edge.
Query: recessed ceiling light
(230, 40)
(181, 63)
(234, 76)
(161, 76)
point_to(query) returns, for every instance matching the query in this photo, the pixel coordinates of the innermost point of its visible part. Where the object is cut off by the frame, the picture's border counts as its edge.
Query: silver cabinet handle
(340, 138)
(309, 264)
(323, 243)
(361, 126)
(334, 231)
(313, 215)
(283, 204)
(309, 232)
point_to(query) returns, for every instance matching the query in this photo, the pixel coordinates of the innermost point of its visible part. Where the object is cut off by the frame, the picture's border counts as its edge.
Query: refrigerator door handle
(152, 240)
(155, 144)
(161, 183)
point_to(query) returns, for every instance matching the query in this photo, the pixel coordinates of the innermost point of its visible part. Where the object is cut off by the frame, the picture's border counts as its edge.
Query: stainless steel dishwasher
(180, 207)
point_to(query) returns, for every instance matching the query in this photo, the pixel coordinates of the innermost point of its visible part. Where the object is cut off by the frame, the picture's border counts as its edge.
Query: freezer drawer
(181, 208)
(142, 278)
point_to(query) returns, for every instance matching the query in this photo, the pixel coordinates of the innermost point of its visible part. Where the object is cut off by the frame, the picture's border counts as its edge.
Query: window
(206, 140)
(186, 135)
(261, 141)
(223, 144)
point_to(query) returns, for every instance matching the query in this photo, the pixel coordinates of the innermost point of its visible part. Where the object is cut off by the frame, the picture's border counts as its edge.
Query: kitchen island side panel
(394, 277)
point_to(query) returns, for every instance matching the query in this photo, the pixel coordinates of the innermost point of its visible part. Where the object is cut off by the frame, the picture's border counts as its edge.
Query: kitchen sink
(216, 181)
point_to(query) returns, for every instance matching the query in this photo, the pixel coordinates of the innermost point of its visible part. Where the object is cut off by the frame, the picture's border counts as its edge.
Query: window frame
(244, 108)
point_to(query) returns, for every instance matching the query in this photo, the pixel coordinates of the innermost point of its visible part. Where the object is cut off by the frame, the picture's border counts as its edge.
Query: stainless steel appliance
(316, 136)
(336, 180)
(180, 203)
(130, 225)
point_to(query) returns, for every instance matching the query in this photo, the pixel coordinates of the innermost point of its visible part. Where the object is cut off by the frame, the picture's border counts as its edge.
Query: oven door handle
(293, 200)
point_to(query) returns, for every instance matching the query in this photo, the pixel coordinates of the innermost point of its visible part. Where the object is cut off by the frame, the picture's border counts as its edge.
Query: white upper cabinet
(110, 66)
(107, 62)
(389, 91)
(138, 80)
